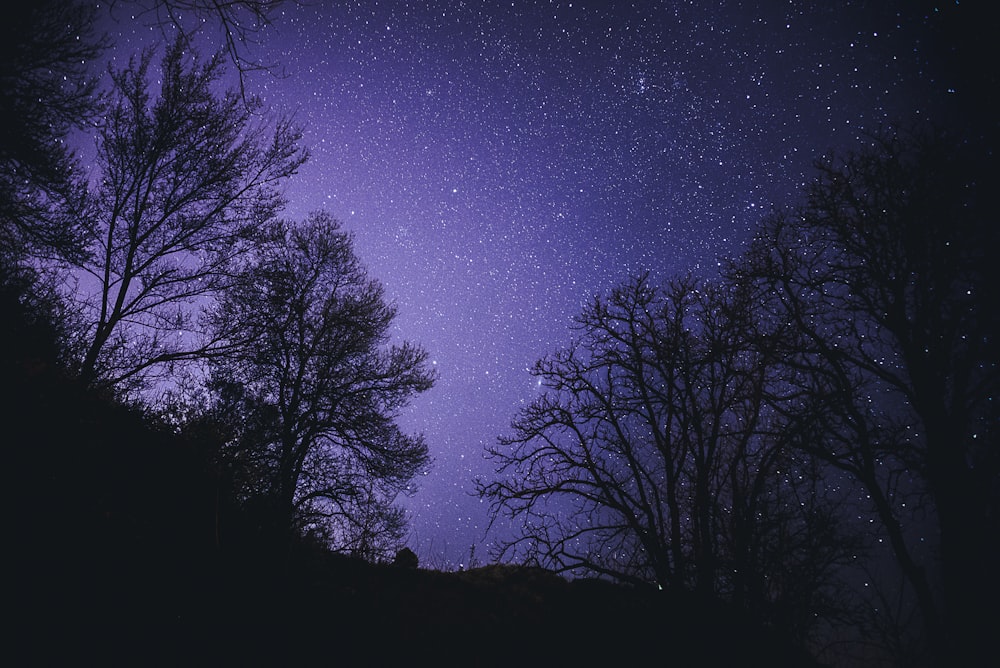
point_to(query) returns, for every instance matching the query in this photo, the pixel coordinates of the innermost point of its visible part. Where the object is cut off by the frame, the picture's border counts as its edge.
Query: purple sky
(499, 164)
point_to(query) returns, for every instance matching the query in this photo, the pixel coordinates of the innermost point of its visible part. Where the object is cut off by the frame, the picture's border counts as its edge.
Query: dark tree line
(168, 283)
(662, 445)
(310, 387)
(749, 437)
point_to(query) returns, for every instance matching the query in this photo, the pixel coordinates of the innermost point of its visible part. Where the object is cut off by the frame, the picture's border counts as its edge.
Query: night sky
(500, 164)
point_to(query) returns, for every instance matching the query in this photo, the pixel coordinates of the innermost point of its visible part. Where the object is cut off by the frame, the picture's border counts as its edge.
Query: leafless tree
(316, 387)
(183, 182)
(237, 22)
(657, 454)
(887, 275)
(47, 90)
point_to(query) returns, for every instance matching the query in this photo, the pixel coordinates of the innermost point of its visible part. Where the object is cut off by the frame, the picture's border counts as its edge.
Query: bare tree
(372, 529)
(316, 386)
(657, 454)
(184, 181)
(887, 274)
(237, 22)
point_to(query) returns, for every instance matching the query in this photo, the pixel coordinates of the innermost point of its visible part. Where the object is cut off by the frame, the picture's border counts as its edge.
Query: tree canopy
(47, 50)
(185, 181)
(309, 356)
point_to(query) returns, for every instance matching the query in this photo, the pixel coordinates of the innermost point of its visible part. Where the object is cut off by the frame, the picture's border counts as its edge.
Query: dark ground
(329, 610)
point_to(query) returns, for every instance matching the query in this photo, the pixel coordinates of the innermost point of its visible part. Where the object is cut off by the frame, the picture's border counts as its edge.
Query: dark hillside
(111, 531)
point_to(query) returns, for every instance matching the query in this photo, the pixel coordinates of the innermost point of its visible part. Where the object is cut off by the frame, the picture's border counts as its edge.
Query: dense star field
(500, 164)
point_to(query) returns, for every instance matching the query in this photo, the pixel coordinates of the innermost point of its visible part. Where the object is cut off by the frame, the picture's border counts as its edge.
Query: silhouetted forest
(743, 437)
(127, 550)
(796, 456)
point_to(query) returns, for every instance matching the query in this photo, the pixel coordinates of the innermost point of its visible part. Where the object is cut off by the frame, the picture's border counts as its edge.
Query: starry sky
(500, 163)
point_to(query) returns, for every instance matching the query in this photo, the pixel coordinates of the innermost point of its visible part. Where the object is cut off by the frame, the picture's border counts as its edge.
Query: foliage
(46, 49)
(406, 558)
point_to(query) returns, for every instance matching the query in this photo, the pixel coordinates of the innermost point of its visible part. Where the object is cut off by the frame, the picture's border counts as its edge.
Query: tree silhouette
(45, 51)
(311, 388)
(657, 454)
(238, 24)
(885, 274)
(184, 182)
